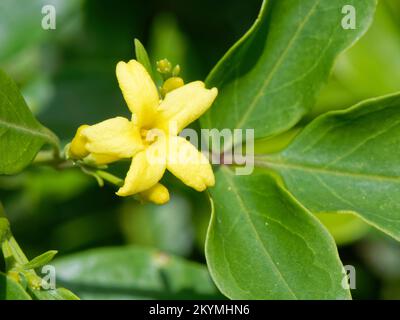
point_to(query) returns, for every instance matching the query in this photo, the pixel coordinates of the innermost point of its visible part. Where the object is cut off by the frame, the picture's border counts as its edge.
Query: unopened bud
(176, 71)
(164, 66)
(171, 84)
(77, 148)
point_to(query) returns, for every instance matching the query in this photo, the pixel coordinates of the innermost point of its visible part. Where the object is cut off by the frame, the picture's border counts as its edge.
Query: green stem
(50, 158)
(9, 258)
(110, 178)
(53, 159)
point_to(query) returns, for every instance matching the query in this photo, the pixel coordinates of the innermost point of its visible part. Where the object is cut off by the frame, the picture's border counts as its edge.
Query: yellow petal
(101, 159)
(139, 91)
(147, 168)
(77, 148)
(117, 137)
(157, 194)
(188, 164)
(184, 105)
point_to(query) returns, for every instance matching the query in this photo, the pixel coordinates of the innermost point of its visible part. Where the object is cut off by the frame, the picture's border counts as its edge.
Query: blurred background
(67, 77)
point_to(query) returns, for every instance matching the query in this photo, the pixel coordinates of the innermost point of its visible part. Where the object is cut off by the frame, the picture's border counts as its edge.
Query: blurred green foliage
(67, 76)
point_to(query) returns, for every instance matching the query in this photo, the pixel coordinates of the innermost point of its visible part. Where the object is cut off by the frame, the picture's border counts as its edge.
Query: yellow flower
(150, 138)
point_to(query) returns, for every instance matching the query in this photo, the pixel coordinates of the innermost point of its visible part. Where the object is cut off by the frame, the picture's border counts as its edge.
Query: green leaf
(262, 244)
(367, 59)
(40, 260)
(56, 294)
(348, 161)
(133, 273)
(143, 57)
(269, 79)
(11, 290)
(21, 135)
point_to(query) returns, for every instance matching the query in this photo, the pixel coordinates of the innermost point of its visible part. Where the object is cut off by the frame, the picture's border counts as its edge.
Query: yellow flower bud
(176, 71)
(77, 149)
(164, 66)
(157, 194)
(171, 84)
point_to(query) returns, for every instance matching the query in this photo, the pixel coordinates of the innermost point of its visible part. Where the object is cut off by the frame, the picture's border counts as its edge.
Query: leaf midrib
(16, 127)
(276, 66)
(19, 128)
(269, 162)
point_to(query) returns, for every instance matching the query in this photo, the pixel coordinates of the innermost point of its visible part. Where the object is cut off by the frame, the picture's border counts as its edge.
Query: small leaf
(270, 78)
(133, 273)
(348, 161)
(143, 57)
(11, 290)
(262, 244)
(56, 294)
(41, 260)
(21, 135)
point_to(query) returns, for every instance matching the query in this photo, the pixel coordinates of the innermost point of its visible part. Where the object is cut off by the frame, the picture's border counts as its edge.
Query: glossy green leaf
(11, 290)
(21, 135)
(348, 161)
(262, 244)
(133, 273)
(269, 79)
(367, 59)
(40, 260)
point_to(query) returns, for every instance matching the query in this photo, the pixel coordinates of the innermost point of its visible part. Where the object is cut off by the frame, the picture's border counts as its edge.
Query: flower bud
(171, 84)
(164, 66)
(176, 71)
(77, 148)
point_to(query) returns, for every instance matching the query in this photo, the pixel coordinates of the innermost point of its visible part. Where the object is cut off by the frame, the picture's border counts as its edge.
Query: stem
(44, 157)
(53, 159)
(9, 259)
(110, 178)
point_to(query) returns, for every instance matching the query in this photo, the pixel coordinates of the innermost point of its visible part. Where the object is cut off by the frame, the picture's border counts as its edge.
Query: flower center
(149, 135)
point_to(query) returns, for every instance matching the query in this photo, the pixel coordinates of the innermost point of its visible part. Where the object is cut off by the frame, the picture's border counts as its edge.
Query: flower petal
(188, 164)
(184, 105)
(139, 91)
(147, 168)
(100, 159)
(157, 194)
(117, 137)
